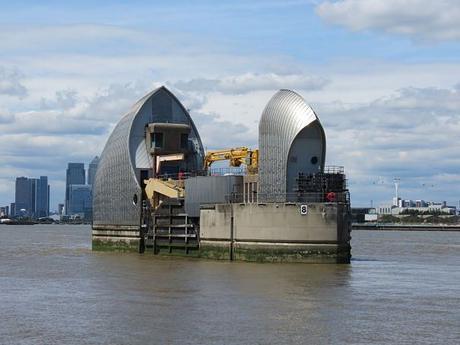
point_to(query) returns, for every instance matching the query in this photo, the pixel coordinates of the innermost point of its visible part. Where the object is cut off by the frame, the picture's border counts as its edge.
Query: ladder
(171, 231)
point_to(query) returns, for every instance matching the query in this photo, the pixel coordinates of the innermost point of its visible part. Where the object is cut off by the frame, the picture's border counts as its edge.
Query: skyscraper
(31, 197)
(42, 203)
(80, 200)
(75, 174)
(23, 197)
(92, 170)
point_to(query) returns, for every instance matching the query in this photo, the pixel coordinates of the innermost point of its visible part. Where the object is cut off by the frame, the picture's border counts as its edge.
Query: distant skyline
(382, 75)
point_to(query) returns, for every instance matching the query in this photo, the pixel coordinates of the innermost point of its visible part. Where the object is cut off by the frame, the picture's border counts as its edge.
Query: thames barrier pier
(156, 192)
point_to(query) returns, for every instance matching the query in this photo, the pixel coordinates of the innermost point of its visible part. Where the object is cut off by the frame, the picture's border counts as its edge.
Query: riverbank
(405, 227)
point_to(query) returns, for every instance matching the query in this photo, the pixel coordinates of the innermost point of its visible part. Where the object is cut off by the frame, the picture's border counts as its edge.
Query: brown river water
(401, 288)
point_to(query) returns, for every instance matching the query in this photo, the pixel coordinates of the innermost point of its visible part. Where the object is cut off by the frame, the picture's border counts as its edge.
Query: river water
(401, 288)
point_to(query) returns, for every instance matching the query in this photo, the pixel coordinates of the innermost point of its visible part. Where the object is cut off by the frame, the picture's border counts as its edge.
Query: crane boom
(236, 156)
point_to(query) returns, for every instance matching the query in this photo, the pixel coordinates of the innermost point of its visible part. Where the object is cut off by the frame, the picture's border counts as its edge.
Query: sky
(383, 76)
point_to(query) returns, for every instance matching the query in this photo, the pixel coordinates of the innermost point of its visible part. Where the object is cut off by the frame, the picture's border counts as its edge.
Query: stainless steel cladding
(291, 141)
(211, 190)
(125, 160)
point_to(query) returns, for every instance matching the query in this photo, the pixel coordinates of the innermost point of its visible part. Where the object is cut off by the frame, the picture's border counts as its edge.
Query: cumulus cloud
(5, 116)
(249, 82)
(68, 113)
(420, 19)
(218, 134)
(110, 103)
(43, 137)
(10, 83)
(411, 134)
(64, 99)
(79, 84)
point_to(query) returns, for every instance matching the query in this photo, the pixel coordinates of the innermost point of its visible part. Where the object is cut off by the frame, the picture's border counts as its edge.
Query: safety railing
(210, 172)
(330, 197)
(232, 171)
(334, 169)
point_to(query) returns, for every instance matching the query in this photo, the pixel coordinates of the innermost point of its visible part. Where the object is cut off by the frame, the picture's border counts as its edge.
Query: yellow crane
(236, 156)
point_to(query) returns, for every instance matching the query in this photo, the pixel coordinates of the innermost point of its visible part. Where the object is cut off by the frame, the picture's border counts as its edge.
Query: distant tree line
(433, 212)
(417, 218)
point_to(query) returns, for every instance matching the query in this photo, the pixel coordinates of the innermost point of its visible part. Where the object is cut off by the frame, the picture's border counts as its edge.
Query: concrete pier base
(116, 238)
(275, 252)
(269, 232)
(276, 232)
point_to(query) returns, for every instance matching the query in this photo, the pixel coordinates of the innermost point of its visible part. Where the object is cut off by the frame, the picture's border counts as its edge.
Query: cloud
(64, 99)
(69, 114)
(42, 37)
(419, 19)
(110, 103)
(411, 134)
(5, 117)
(80, 79)
(220, 134)
(250, 82)
(10, 83)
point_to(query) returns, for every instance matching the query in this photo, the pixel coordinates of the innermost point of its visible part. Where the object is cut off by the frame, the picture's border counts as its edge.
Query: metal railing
(336, 197)
(210, 172)
(334, 169)
(239, 171)
(233, 171)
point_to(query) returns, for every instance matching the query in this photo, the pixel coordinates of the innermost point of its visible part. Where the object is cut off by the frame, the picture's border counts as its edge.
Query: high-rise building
(60, 209)
(92, 170)
(4, 211)
(31, 197)
(75, 174)
(42, 200)
(80, 200)
(23, 197)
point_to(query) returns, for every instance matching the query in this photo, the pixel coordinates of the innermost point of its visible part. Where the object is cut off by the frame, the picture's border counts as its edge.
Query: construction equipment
(236, 157)
(156, 188)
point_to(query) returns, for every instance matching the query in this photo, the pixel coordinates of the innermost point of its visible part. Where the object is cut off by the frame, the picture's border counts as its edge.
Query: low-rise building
(400, 206)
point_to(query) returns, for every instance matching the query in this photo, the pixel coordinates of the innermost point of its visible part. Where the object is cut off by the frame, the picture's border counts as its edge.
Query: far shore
(405, 227)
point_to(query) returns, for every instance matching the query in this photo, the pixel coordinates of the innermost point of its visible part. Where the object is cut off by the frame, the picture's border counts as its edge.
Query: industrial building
(155, 190)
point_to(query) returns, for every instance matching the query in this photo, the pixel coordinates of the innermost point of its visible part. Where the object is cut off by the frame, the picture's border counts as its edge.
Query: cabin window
(314, 160)
(184, 140)
(157, 140)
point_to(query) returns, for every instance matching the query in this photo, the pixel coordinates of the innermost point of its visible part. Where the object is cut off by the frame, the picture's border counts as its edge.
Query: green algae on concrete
(315, 254)
(241, 252)
(131, 245)
(215, 251)
(178, 251)
(277, 253)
